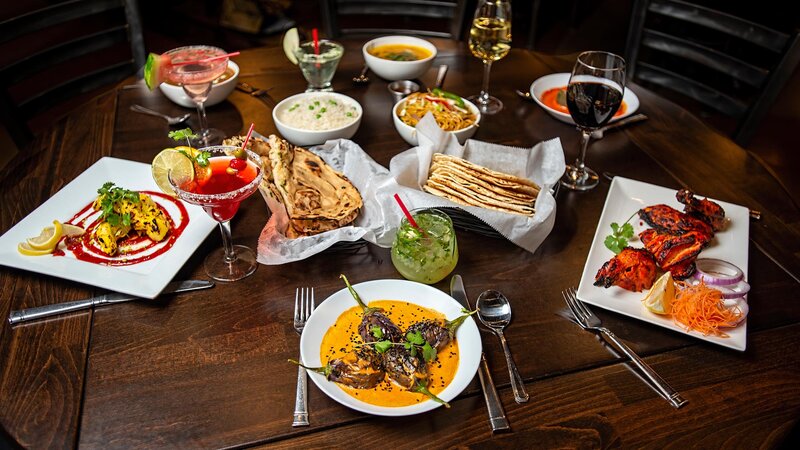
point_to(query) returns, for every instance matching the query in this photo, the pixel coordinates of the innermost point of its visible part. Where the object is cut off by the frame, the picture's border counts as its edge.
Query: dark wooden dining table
(209, 369)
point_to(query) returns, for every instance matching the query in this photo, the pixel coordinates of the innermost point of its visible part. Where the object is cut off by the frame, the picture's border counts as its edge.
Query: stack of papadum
(469, 184)
(316, 197)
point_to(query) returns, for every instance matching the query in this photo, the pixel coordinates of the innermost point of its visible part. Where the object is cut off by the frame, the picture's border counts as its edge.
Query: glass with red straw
(318, 60)
(424, 248)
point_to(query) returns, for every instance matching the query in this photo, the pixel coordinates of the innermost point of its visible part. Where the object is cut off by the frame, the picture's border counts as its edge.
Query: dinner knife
(497, 416)
(39, 312)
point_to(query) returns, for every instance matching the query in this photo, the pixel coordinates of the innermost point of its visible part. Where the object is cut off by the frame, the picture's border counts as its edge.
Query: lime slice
(659, 299)
(154, 70)
(47, 239)
(170, 162)
(291, 41)
(27, 250)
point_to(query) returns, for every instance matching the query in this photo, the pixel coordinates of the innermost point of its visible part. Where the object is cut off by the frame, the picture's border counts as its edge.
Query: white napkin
(543, 163)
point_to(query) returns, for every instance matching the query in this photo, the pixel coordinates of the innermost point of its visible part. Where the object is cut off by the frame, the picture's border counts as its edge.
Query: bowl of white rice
(312, 118)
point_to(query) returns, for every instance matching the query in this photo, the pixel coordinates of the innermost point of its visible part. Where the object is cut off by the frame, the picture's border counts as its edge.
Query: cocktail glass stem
(227, 241)
(578, 176)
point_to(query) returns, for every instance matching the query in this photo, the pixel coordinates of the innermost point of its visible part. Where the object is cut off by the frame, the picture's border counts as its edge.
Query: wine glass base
(221, 270)
(578, 180)
(208, 137)
(488, 106)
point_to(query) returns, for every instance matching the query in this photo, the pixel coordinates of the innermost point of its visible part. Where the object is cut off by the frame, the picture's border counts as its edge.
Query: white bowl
(328, 311)
(305, 137)
(554, 80)
(219, 91)
(398, 70)
(409, 133)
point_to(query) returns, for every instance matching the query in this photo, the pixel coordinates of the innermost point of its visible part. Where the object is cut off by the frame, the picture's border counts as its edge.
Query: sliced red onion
(741, 305)
(716, 272)
(739, 290)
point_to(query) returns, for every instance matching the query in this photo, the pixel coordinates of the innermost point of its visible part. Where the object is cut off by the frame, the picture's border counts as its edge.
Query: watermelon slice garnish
(155, 69)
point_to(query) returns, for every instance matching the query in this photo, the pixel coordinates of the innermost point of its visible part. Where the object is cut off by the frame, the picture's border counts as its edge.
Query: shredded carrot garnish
(701, 308)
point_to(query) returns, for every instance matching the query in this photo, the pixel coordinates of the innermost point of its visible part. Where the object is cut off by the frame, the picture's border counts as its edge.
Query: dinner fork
(303, 306)
(589, 321)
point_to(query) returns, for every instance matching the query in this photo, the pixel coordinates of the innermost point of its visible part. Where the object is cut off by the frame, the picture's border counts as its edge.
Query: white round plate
(325, 315)
(554, 80)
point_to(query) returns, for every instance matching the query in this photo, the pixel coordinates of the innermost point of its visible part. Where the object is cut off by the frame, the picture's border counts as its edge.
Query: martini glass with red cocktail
(232, 175)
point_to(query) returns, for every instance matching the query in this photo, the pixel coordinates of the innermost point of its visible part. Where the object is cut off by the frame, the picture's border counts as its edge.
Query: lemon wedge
(659, 299)
(291, 41)
(171, 162)
(27, 250)
(72, 230)
(47, 239)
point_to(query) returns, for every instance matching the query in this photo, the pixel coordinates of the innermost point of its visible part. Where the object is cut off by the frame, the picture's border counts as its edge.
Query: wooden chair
(57, 52)
(413, 17)
(722, 61)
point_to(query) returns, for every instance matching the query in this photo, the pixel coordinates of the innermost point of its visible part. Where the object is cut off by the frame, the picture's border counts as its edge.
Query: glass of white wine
(490, 40)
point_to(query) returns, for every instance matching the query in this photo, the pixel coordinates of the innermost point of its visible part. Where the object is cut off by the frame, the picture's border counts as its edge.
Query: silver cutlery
(440, 76)
(40, 312)
(261, 94)
(497, 416)
(170, 119)
(362, 77)
(303, 307)
(525, 95)
(598, 133)
(589, 321)
(494, 311)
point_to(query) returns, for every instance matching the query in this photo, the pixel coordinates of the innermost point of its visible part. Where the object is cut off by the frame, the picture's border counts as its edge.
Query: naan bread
(470, 184)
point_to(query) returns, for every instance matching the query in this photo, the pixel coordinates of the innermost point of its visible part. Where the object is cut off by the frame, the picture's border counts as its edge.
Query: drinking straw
(206, 60)
(247, 139)
(405, 211)
(315, 36)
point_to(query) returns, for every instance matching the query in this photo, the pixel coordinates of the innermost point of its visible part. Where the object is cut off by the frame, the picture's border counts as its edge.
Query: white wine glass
(594, 94)
(490, 40)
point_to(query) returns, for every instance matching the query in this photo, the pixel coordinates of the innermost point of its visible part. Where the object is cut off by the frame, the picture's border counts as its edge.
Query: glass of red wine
(594, 94)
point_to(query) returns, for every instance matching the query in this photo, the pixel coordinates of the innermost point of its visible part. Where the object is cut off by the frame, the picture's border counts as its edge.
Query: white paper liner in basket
(371, 179)
(544, 164)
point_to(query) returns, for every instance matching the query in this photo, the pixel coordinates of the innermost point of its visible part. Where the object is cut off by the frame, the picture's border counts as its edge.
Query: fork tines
(303, 306)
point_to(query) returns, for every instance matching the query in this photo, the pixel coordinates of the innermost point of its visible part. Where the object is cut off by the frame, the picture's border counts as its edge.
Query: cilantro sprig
(199, 158)
(414, 343)
(110, 195)
(620, 235)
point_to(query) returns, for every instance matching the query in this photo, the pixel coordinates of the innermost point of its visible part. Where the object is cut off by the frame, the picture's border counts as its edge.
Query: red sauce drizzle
(133, 249)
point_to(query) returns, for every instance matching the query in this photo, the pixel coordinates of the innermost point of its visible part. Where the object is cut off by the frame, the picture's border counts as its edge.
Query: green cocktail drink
(427, 254)
(319, 64)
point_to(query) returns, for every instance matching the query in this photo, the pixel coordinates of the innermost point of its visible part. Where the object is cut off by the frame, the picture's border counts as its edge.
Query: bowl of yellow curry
(399, 57)
(356, 371)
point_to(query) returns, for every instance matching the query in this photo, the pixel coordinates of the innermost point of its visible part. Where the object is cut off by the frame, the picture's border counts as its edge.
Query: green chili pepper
(441, 93)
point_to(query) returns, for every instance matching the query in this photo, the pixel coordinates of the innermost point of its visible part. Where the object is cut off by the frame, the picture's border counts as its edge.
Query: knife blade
(497, 416)
(39, 312)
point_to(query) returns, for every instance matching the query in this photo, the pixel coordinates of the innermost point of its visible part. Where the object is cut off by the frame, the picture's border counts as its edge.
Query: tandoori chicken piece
(633, 269)
(671, 250)
(666, 219)
(682, 270)
(703, 209)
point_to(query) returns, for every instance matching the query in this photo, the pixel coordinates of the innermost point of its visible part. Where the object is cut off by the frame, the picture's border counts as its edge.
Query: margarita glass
(196, 79)
(219, 188)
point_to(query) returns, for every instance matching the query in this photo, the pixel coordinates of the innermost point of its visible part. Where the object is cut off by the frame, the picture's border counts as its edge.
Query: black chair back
(442, 18)
(52, 54)
(725, 63)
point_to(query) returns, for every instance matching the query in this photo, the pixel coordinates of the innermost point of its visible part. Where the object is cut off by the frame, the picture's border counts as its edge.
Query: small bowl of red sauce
(550, 92)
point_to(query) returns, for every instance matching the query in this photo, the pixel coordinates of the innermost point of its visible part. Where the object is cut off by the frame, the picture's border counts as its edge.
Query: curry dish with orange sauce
(343, 338)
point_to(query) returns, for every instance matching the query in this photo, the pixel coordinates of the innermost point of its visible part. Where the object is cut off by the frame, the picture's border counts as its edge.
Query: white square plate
(146, 279)
(625, 197)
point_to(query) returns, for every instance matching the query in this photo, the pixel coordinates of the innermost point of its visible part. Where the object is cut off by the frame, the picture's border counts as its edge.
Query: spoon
(170, 120)
(494, 311)
(524, 94)
(440, 76)
(362, 78)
